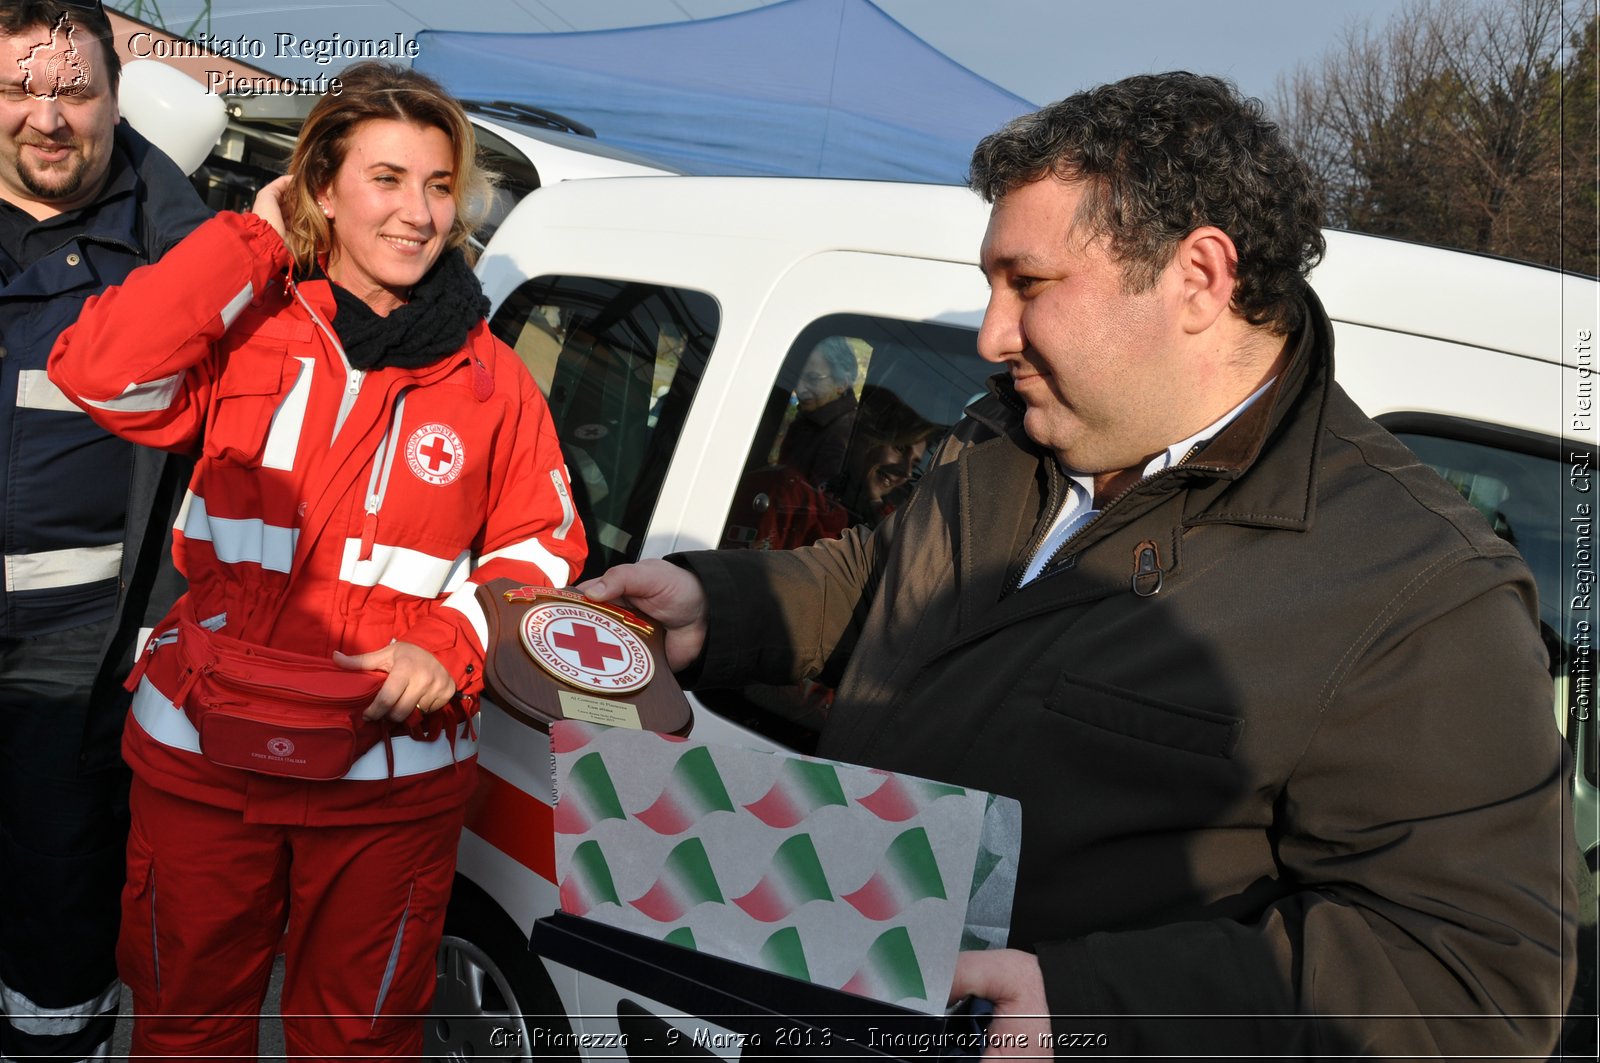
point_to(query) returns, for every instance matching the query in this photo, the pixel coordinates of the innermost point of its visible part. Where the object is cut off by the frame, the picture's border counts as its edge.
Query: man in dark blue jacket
(83, 202)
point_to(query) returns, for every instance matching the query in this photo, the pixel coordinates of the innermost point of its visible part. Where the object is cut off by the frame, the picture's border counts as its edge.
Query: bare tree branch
(1453, 124)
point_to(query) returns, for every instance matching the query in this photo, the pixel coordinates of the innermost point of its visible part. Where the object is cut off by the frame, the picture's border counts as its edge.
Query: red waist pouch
(274, 711)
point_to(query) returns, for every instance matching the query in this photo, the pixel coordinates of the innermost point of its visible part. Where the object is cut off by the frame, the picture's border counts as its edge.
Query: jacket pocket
(243, 402)
(1163, 723)
(138, 955)
(405, 988)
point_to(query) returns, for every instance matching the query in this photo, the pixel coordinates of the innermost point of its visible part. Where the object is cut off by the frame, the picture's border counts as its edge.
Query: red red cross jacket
(331, 508)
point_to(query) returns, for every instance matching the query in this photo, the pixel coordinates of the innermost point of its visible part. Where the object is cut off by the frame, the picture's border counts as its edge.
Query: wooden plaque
(556, 655)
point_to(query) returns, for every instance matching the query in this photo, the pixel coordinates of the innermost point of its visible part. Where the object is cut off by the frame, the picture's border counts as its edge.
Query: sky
(1041, 50)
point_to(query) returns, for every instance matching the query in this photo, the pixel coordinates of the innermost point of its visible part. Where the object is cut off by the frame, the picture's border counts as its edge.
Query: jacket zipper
(1054, 502)
(1052, 565)
(353, 377)
(383, 461)
(378, 482)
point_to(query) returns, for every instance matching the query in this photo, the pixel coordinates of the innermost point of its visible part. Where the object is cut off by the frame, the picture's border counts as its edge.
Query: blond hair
(369, 92)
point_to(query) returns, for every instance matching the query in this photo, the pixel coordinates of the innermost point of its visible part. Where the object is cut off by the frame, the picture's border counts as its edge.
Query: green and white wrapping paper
(848, 877)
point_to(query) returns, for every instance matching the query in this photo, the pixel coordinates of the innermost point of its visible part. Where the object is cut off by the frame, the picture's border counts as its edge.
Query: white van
(527, 147)
(668, 320)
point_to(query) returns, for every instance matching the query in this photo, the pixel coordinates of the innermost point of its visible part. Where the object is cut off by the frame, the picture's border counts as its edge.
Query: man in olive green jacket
(1271, 694)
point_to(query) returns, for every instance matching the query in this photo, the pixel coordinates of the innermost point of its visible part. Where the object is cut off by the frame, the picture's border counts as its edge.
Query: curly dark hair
(1162, 155)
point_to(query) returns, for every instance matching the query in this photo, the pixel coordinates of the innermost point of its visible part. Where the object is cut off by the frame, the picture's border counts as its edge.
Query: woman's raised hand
(269, 203)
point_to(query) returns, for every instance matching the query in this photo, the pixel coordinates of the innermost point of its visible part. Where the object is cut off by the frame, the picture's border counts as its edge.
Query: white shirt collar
(1177, 451)
(1078, 507)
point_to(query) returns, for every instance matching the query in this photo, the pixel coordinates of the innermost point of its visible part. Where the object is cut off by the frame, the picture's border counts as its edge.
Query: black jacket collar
(1290, 419)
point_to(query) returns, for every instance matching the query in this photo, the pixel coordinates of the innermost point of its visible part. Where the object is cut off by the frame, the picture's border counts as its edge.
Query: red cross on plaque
(592, 651)
(437, 454)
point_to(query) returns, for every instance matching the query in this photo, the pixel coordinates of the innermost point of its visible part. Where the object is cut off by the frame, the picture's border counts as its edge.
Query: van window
(854, 418)
(619, 362)
(1518, 482)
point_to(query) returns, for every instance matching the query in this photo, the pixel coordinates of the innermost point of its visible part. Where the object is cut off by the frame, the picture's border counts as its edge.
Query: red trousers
(359, 911)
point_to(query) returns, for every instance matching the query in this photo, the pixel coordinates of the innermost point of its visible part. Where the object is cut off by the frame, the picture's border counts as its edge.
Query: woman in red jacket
(305, 725)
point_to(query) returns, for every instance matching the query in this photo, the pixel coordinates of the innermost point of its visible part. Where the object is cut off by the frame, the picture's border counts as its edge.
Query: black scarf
(444, 306)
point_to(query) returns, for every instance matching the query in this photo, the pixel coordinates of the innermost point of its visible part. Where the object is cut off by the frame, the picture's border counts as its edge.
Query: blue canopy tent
(816, 88)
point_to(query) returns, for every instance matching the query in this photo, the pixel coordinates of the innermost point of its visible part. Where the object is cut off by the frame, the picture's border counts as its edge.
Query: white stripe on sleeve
(534, 552)
(142, 398)
(567, 512)
(236, 305)
(465, 602)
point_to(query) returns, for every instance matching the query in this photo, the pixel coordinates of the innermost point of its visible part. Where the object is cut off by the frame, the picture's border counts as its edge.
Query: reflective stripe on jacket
(331, 508)
(79, 505)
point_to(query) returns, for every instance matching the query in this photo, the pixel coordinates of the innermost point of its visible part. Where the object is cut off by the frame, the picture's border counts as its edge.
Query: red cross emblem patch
(435, 454)
(585, 648)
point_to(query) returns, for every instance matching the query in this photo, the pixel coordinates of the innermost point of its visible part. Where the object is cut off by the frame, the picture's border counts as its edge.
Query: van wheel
(492, 997)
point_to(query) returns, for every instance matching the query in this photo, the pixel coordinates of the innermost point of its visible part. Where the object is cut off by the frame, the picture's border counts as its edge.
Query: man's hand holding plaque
(556, 654)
